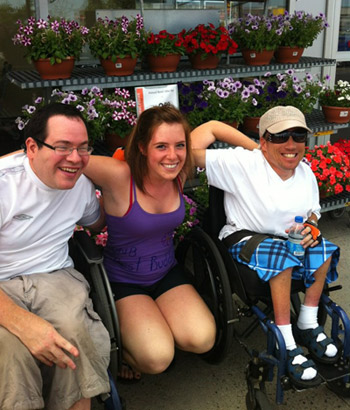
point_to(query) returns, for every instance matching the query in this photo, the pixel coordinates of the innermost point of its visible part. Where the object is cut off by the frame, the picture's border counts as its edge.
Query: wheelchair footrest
(331, 372)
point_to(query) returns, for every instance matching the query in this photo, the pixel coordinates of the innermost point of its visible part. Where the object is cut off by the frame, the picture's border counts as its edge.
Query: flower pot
(252, 57)
(285, 54)
(251, 125)
(198, 62)
(114, 141)
(122, 66)
(233, 124)
(337, 115)
(55, 71)
(163, 64)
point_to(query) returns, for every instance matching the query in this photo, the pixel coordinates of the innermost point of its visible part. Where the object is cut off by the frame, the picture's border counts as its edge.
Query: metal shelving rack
(94, 75)
(88, 76)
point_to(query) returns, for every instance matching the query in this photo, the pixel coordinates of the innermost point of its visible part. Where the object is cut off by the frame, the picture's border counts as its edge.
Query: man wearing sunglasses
(54, 350)
(263, 192)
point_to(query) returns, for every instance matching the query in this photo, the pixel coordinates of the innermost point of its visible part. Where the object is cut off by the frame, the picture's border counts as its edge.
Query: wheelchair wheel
(88, 260)
(336, 213)
(258, 402)
(103, 301)
(200, 257)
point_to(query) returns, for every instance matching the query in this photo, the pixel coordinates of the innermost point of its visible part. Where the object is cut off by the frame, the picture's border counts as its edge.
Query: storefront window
(344, 27)
(11, 57)
(10, 12)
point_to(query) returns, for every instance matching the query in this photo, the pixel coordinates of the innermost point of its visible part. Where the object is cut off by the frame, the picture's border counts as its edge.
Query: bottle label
(296, 249)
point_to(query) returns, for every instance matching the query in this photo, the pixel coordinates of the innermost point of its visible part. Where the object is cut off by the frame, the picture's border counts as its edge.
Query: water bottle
(295, 237)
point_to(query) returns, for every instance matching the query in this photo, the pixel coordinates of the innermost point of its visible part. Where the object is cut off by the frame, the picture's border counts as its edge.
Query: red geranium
(344, 146)
(209, 39)
(331, 167)
(165, 43)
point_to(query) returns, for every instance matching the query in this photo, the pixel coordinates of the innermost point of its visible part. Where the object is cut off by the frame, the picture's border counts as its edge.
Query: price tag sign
(147, 97)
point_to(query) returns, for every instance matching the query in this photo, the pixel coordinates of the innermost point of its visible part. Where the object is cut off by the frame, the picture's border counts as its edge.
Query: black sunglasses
(282, 137)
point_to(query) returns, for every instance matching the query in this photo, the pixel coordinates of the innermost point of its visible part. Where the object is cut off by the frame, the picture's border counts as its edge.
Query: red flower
(333, 164)
(338, 189)
(165, 43)
(209, 40)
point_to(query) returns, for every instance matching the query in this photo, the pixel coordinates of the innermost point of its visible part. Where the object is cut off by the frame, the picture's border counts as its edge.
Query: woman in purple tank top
(157, 306)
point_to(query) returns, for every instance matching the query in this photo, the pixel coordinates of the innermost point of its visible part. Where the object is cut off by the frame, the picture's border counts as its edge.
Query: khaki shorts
(61, 298)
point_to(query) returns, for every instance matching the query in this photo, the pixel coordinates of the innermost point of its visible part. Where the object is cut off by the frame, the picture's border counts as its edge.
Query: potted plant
(192, 105)
(335, 102)
(51, 44)
(218, 100)
(164, 50)
(257, 37)
(284, 89)
(344, 146)
(106, 113)
(117, 43)
(189, 221)
(206, 43)
(331, 168)
(299, 32)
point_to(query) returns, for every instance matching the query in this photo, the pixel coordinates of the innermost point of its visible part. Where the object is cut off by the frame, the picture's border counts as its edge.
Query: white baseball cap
(278, 119)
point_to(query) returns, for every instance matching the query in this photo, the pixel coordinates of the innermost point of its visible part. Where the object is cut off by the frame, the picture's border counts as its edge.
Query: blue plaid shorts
(272, 257)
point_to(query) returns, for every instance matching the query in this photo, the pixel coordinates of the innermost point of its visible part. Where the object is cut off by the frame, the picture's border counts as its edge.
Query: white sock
(286, 330)
(308, 320)
(288, 337)
(307, 317)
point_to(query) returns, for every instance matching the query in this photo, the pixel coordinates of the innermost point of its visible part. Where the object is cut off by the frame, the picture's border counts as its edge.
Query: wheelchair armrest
(88, 247)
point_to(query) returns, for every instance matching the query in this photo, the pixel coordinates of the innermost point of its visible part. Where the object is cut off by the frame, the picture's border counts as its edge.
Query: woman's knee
(199, 340)
(155, 358)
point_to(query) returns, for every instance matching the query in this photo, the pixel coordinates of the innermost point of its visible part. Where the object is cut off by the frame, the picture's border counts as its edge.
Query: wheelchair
(234, 292)
(88, 259)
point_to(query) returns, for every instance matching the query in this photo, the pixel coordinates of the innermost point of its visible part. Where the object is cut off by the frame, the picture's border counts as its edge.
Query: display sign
(147, 97)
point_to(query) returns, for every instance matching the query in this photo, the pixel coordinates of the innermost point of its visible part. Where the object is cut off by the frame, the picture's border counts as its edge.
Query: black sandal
(295, 371)
(316, 349)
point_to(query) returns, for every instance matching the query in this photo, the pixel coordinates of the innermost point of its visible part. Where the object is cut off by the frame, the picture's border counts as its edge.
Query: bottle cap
(298, 219)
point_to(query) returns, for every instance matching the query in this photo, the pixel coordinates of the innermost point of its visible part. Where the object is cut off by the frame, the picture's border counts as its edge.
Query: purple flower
(245, 93)
(55, 26)
(26, 41)
(41, 24)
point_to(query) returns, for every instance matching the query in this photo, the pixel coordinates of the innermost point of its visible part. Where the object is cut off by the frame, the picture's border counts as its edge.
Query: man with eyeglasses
(54, 349)
(264, 190)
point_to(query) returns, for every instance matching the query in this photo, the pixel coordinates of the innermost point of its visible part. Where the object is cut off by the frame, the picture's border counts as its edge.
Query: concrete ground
(193, 384)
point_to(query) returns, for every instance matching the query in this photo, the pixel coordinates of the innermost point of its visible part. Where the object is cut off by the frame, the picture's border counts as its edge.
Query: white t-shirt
(37, 221)
(256, 198)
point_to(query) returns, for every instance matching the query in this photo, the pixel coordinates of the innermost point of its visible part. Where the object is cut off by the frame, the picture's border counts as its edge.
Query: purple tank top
(140, 245)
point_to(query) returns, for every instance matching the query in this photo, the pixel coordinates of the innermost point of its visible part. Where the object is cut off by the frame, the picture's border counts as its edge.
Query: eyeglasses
(65, 151)
(282, 137)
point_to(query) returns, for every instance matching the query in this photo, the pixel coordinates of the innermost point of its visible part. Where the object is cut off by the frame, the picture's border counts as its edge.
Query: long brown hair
(142, 134)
